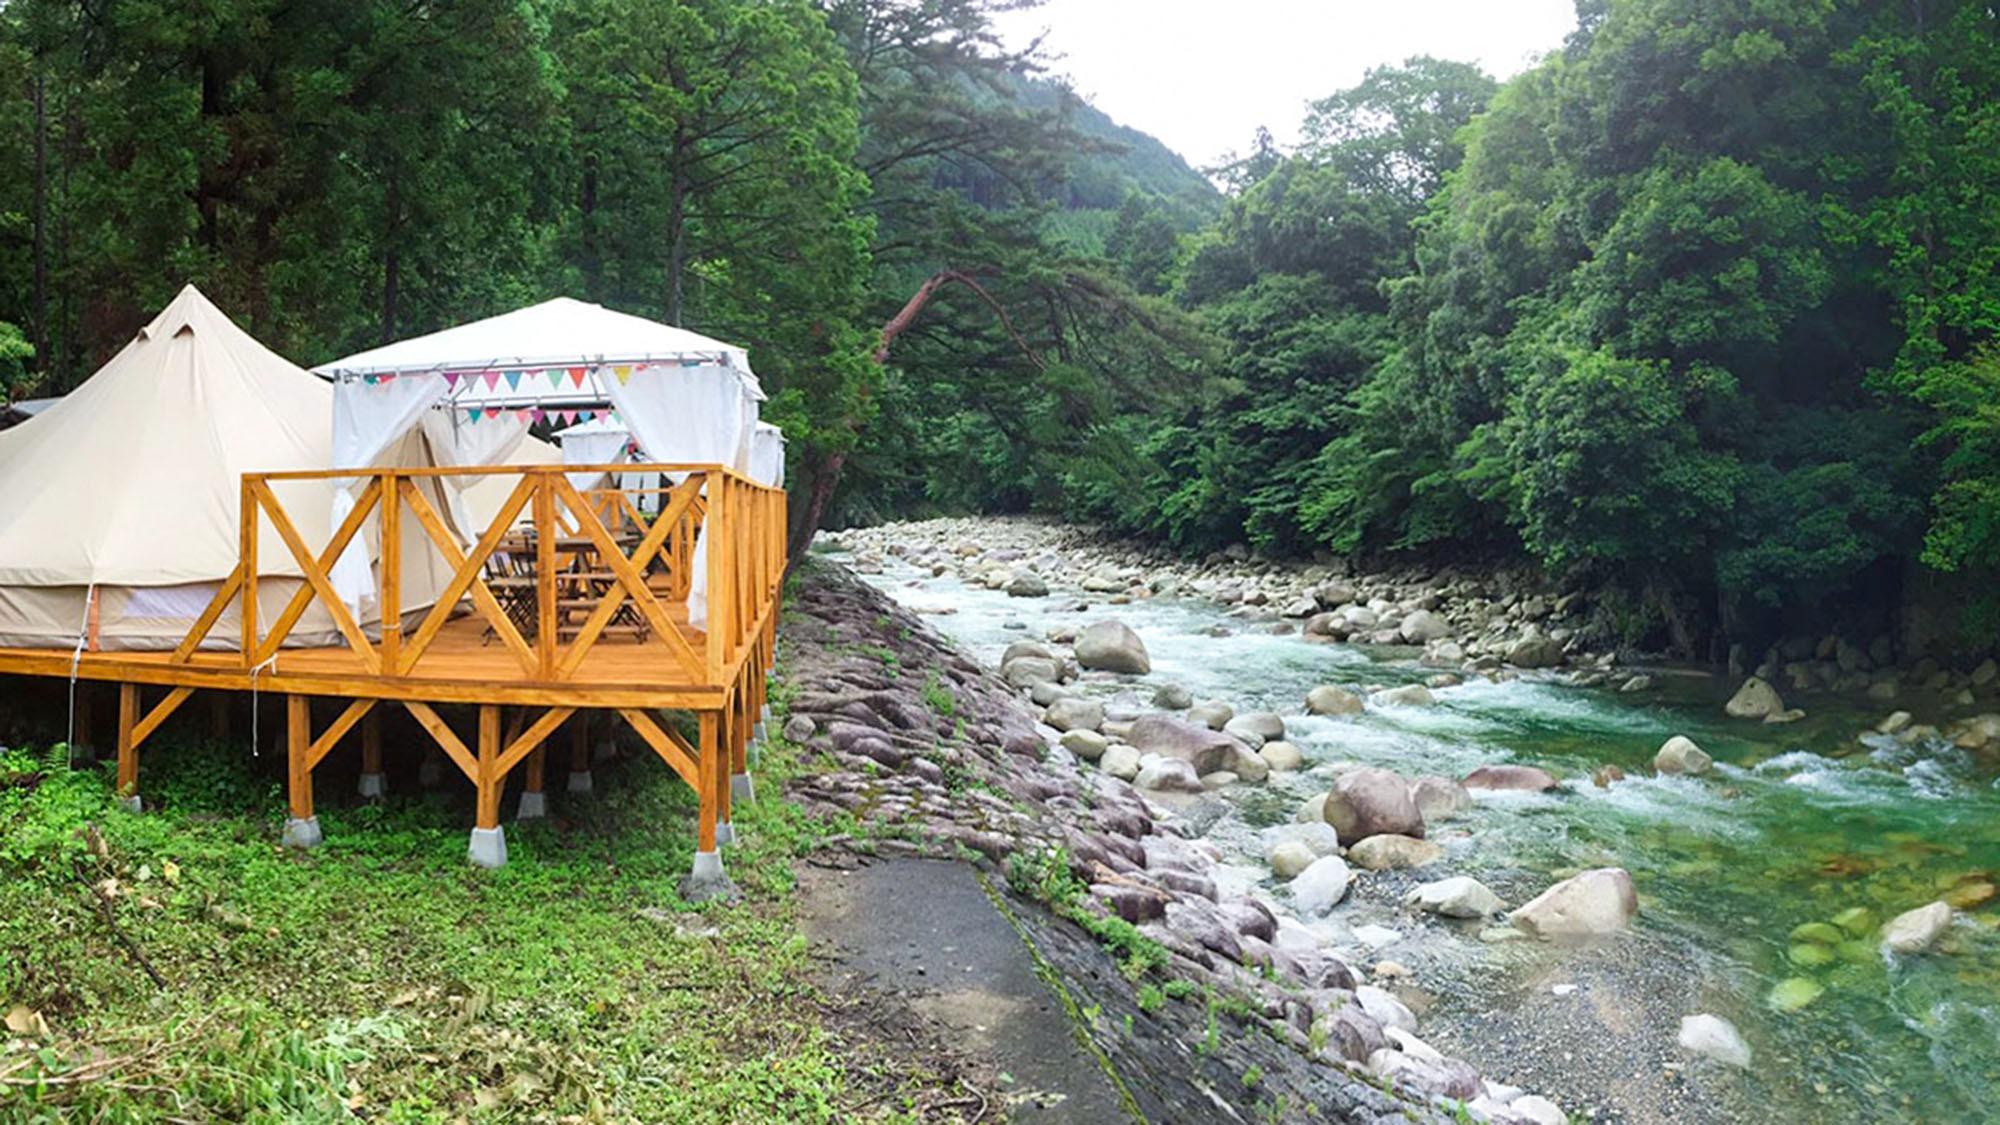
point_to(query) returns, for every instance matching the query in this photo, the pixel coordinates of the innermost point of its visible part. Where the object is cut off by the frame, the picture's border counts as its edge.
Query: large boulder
(1535, 652)
(1681, 755)
(1754, 700)
(1120, 761)
(1914, 931)
(1460, 896)
(1266, 725)
(1439, 798)
(1321, 885)
(1204, 749)
(1027, 584)
(1330, 700)
(1423, 626)
(1372, 802)
(1597, 902)
(1167, 775)
(1714, 1037)
(1528, 779)
(1109, 646)
(1409, 695)
(1212, 714)
(1388, 852)
(1281, 756)
(1290, 858)
(1072, 713)
(1086, 744)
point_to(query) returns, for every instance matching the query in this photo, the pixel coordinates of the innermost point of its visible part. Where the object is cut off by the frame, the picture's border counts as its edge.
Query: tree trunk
(392, 259)
(676, 236)
(41, 220)
(593, 262)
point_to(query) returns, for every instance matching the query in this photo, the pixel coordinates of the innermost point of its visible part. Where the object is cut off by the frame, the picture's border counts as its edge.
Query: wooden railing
(644, 541)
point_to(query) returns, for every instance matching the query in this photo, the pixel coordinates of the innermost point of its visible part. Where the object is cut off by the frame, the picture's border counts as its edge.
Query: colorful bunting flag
(451, 379)
(624, 373)
(576, 376)
(492, 379)
(513, 380)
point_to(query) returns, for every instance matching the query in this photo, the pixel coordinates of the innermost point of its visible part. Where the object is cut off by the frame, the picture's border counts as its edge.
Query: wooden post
(545, 575)
(579, 743)
(710, 769)
(489, 778)
(532, 782)
(246, 550)
(717, 563)
(298, 754)
(392, 578)
(82, 736)
(128, 749)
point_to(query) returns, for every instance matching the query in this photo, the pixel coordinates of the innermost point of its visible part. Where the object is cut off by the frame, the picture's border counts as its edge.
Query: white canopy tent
(604, 440)
(475, 389)
(767, 455)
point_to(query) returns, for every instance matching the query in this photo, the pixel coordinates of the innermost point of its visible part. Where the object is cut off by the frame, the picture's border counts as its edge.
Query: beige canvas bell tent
(119, 503)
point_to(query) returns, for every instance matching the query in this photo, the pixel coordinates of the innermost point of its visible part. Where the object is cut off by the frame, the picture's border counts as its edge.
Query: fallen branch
(104, 911)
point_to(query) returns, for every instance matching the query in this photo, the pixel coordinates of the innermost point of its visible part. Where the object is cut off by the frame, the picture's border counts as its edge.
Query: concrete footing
(759, 733)
(302, 834)
(742, 788)
(764, 718)
(132, 804)
(488, 847)
(708, 881)
(371, 786)
(579, 781)
(534, 806)
(725, 834)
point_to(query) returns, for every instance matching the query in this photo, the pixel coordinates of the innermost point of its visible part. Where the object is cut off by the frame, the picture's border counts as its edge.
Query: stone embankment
(1227, 1002)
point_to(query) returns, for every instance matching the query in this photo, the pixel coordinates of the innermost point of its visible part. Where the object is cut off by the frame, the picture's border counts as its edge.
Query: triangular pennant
(492, 379)
(555, 375)
(368, 379)
(576, 376)
(585, 415)
(513, 380)
(624, 373)
(390, 378)
(540, 414)
(451, 379)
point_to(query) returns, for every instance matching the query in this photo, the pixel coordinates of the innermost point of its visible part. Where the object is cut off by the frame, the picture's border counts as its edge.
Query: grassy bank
(381, 978)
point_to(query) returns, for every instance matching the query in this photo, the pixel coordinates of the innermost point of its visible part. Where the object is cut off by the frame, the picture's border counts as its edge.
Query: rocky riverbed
(1396, 772)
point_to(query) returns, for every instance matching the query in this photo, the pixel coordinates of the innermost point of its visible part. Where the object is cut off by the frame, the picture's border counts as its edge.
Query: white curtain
(767, 455)
(367, 419)
(698, 414)
(590, 444)
(458, 443)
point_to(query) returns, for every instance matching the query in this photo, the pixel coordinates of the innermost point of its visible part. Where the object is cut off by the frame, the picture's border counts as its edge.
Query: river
(1796, 824)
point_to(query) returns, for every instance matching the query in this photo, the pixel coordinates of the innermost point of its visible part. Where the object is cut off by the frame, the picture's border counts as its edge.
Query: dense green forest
(1699, 311)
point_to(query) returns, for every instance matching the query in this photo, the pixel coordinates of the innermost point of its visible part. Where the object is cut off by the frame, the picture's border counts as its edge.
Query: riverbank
(1741, 862)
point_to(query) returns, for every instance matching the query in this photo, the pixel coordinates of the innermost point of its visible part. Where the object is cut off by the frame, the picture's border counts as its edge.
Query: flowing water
(1796, 824)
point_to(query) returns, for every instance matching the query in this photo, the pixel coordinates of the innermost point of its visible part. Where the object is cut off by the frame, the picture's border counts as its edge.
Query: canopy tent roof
(134, 478)
(559, 353)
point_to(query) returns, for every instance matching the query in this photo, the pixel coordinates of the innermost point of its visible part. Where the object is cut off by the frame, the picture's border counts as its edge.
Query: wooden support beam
(298, 755)
(159, 714)
(371, 742)
(709, 766)
(579, 743)
(531, 738)
(325, 743)
(532, 780)
(441, 733)
(488, 777)
(128, 747)
(670, 749)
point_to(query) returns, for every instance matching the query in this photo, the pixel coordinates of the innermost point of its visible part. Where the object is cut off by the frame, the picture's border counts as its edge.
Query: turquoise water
(1797, 824)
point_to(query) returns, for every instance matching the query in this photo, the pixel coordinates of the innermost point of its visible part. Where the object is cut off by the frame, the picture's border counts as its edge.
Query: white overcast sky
(1201, 75)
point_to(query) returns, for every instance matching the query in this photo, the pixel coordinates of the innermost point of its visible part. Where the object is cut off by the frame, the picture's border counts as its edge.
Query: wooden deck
(601, 624)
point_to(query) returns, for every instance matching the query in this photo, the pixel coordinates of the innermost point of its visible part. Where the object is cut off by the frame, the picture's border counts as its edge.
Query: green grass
(381, 978)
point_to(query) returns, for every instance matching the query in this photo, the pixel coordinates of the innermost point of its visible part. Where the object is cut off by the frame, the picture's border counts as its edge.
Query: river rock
(1754, 700)
(1681, 755)
(1172, 697)
(1322, 884)
(1597, 902)
(1312, 810)
(1388, 852)
(1915, 931)
(1350, 1033)
(1527, 779)
(1167, 774)
(1027, 584)
(1533, 1109)
(1291, 857)
(1409, 695)
(1265, 725)
(1281, 756)
(1535, 652)
(1085, 744)
(1894, 723)
(1383, 1007)
(1074, 714)
(1204, 749)
(1109, 646)
(1714, 1037)
(1120, 761)
(1438, 798)
(1330, 700)
(1422, 627)
(1460, 896)
(1212, 715)
(1027, 671)
(1372, 802)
